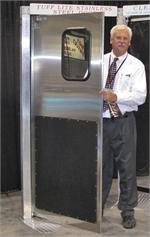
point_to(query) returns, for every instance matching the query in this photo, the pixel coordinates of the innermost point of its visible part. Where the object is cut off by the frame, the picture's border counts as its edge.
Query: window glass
(76, 54)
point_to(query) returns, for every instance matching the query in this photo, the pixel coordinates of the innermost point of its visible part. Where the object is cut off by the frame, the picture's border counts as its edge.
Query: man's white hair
(121, 27)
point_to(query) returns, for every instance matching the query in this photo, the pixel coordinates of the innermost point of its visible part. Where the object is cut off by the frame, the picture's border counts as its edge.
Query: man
(121, 97)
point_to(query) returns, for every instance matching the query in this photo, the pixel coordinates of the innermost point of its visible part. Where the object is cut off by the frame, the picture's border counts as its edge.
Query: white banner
(136, 10)
(61, 9)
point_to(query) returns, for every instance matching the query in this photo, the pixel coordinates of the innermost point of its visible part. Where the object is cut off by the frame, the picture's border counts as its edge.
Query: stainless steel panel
(25, 113)
(53, 95)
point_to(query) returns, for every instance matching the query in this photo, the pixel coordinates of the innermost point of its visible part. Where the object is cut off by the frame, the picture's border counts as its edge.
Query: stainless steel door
(65, 115)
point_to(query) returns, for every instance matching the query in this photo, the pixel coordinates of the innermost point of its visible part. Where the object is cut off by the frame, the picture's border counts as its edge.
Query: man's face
(120, 42)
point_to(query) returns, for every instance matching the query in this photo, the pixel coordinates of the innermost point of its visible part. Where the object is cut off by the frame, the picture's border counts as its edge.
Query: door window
(76, 48)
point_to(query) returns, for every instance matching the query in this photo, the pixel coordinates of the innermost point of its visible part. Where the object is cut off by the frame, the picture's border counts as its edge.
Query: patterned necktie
(110, 80)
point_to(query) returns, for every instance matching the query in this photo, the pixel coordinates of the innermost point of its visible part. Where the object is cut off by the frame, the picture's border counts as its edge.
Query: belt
(125, 115)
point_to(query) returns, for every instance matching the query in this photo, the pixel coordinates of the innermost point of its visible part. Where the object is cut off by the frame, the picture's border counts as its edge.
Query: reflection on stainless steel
(72, 105)
(53, 57)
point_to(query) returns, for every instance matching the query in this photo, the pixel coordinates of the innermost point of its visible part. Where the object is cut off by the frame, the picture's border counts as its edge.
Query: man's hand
(108, 95)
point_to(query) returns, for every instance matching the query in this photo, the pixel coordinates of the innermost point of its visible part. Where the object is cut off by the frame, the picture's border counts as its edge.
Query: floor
(12, 224)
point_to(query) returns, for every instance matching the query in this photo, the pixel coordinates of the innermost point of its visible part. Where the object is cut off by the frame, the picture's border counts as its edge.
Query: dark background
(10, 91)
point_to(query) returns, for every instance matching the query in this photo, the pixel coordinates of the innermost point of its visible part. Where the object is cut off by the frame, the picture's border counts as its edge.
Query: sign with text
(60, 9)
(136, 10)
